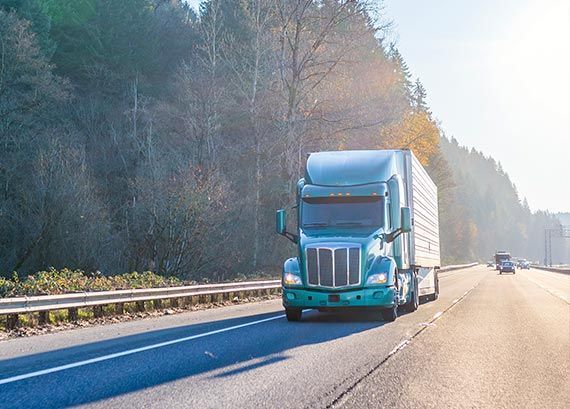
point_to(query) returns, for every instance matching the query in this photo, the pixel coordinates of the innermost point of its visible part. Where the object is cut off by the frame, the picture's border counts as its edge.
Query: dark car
(507, 267)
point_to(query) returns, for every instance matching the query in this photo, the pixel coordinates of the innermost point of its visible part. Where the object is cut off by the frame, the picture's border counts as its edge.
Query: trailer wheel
(390, 314)
(293, 314)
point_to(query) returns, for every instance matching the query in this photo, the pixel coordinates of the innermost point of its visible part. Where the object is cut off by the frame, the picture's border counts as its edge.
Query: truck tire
(293, 314)
(435, 295)
(390, 314)
(414, 302)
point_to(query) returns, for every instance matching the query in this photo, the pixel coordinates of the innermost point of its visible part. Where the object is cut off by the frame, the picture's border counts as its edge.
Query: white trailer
(424, 237)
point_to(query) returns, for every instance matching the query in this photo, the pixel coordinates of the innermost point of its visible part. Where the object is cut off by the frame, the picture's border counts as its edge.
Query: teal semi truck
(367, 234)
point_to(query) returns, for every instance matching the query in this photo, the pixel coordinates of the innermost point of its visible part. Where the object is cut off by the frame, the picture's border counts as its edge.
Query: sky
(497, 75)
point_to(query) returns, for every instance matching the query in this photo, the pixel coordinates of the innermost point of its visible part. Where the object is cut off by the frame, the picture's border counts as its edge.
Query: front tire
(390, 314)
(293, 314)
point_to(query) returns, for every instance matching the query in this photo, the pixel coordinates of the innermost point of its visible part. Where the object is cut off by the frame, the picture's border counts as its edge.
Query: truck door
(396, 201)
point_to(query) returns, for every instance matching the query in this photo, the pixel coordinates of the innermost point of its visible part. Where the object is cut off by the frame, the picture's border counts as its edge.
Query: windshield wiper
(350, 224)
(315, 224)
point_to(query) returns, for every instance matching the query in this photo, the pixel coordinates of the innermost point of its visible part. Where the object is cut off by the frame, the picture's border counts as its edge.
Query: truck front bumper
(384, 297)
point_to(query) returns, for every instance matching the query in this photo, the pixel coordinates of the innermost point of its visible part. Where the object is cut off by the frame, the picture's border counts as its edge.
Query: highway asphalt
(489, 341)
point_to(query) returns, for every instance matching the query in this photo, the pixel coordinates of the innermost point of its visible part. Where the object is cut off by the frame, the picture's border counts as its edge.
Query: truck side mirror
(281, 221)
(406, 220)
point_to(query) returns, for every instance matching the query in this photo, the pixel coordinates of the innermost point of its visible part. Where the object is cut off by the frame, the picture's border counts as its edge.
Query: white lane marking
(131, 351)
(430, 323)
(400, 346)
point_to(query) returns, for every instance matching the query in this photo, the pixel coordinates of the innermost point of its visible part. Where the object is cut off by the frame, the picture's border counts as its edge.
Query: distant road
(489, 341)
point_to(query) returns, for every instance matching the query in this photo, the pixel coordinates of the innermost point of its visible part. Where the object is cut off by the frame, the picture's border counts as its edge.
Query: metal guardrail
(552, 269)
(23, 305)
(457, 267)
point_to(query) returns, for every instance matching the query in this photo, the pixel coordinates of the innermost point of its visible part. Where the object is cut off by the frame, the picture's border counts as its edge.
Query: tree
(419, 95)
(40, 23)
(309, 52)
(415, 131)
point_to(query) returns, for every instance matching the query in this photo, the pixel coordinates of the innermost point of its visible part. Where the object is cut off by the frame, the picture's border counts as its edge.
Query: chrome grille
(333, 265)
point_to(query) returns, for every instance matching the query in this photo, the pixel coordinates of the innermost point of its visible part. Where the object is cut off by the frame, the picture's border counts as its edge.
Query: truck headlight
(291, 279)
(380, 278)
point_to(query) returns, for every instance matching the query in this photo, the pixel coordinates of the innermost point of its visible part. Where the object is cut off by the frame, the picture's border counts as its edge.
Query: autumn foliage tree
(415, 131)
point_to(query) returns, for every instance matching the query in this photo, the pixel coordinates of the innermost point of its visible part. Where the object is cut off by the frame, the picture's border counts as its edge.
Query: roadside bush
(64, 281)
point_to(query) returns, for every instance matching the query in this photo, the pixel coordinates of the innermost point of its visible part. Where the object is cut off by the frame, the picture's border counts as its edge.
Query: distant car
(507, 267)
(490, 264)
(525, 265)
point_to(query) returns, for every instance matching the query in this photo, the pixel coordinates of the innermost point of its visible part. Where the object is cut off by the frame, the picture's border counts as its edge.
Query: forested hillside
(487, 212)
(141, 135)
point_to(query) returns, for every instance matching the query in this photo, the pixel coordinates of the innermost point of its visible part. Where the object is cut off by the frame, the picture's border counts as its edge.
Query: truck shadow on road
(220, 355)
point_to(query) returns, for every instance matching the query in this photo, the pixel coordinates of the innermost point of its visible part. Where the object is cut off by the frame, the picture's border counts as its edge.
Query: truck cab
(501, 256)
(354, 235)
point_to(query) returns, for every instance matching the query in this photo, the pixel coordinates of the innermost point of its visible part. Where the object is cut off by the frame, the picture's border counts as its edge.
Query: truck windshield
(501, 257)
(358, 211)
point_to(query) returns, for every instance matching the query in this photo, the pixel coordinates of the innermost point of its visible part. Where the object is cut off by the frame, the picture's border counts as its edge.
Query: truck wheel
(435, 295)
(293, 314)
(414, 302)
(390, 314)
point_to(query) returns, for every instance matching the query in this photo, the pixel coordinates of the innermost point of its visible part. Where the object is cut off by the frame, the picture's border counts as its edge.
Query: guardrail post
(72, 314)
(119, 308)
(140, 306)
(98, 311)
(157, 304)
(12, 321)
(174, 302)
(43, 318)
